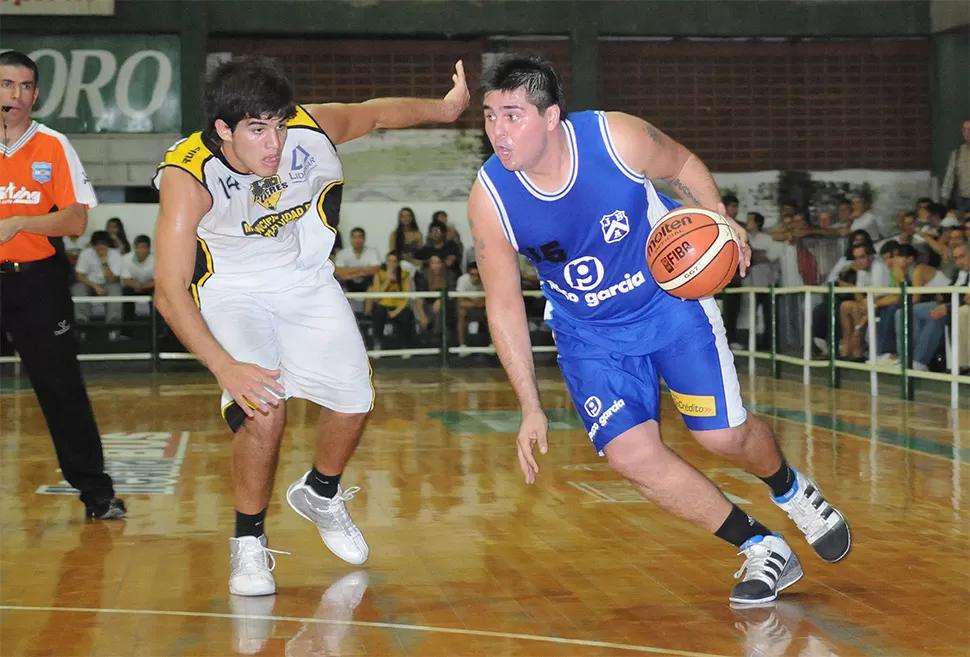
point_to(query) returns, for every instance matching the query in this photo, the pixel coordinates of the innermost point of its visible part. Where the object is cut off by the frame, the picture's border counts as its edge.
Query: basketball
(693, 253)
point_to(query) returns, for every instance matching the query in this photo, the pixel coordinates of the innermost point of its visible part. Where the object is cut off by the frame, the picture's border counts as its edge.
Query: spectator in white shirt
(865, 271)
(138, 272)
(357, 265)
(864, 219)
(99, 269)
(470, 310)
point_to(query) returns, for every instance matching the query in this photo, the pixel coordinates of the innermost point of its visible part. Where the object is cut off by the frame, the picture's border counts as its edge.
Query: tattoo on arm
(654, 134)
(684, 189)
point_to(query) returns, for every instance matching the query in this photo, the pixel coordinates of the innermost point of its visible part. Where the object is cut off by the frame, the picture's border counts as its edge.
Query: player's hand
(534, 430)
(745, 260)
(456, 101)
(9, 228)
(250, 385)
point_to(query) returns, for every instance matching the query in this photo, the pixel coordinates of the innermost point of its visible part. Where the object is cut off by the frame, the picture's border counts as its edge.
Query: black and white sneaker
(823, 525)
(770, 566)
(106, 509)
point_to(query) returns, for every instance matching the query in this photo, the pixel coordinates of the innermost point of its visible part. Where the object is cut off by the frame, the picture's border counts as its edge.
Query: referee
(45, 193)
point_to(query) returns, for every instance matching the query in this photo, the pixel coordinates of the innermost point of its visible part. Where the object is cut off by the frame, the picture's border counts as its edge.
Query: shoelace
(339, 511)
(754, 563)
(251, 551)
(806, 516)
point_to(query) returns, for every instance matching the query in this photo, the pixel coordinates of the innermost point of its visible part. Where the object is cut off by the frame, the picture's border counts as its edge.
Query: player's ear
(223, 130)
(552, 117)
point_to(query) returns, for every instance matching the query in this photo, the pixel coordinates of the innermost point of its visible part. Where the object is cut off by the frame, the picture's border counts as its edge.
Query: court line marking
(376, 624)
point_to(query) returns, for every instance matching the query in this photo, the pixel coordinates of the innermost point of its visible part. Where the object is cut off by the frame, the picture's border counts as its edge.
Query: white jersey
(264, 232)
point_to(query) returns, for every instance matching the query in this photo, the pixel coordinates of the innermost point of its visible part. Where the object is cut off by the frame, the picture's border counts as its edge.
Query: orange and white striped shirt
(39, 174)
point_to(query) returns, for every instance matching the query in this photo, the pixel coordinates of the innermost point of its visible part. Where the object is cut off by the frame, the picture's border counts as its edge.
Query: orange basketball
(693, 253)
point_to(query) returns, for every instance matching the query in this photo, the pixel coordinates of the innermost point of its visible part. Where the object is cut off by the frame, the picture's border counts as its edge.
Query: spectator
(930, 317)
(471, 311)
(956, 183)
(866, 271)
(116, 231)
(138, 272)
(762, 273)
(864, 219)
(99, 269)
(392, 278)
(406, 239)
(451, 232)
(438, 277)
(439, 245)
(731, 303)
(356, 266)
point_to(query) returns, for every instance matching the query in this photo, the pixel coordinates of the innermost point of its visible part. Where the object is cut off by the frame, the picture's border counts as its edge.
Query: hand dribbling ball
(693, 253)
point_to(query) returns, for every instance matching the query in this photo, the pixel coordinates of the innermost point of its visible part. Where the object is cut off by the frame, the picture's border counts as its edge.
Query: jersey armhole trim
(503, 217)
(202, 181)
(304, 120)
(614, 154)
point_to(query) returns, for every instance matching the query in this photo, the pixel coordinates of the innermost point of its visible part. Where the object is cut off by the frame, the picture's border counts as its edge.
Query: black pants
(403, 324)
(731, 310)
(37, 312)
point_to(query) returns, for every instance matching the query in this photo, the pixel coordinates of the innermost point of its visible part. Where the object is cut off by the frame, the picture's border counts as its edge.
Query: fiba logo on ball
(584, 273)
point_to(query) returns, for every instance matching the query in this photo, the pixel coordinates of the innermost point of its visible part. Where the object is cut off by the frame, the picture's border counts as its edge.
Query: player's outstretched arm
(344, 122)
(498, 264)
(647, 150)
(183, 203)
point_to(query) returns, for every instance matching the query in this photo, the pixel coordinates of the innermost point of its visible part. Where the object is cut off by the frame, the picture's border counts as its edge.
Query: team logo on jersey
(267, 191)
(301, 164)
(615, 226)
(271, 224)
(593, 406)
(584, 273)
(41, 171)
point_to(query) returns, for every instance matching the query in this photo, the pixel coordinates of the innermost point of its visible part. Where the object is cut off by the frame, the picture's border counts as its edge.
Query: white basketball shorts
(308, 332)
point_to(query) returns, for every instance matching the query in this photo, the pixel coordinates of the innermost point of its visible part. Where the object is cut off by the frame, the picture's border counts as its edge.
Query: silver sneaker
(824, 527)
(336, 527)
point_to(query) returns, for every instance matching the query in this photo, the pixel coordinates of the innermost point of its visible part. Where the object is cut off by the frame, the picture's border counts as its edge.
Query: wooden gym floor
(465, 558)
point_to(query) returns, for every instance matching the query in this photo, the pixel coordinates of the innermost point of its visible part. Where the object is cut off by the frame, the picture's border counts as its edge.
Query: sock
(782, 481)
(739, 527)
(323, 485)
(250, 525)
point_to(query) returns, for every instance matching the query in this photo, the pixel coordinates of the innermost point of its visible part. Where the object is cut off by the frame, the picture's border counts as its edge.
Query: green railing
(833, 363)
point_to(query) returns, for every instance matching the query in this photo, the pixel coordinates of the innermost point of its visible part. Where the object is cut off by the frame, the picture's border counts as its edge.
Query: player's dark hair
(728, 199)
(101, 237)
(360, 230)
(143, 239)
(17, 58)
(542, 84)
(251, 87)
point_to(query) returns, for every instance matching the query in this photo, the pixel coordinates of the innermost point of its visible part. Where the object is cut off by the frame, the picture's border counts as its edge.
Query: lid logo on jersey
(302, 163)
(615, 226)
(267, 191)
(593, 406)
(41, 171)
(584, 273)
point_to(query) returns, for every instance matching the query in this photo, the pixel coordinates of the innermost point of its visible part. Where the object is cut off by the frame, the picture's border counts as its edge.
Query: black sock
(250, 525)
(782, 481)
(323, 485)
(739, 527)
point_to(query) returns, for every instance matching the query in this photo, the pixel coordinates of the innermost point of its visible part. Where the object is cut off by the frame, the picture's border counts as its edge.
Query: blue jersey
(588, 242)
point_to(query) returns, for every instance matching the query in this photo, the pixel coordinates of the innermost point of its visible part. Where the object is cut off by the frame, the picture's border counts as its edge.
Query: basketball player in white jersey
(247, 222)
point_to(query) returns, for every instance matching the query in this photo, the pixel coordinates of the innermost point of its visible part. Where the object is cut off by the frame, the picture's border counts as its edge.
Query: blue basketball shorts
(614, 392)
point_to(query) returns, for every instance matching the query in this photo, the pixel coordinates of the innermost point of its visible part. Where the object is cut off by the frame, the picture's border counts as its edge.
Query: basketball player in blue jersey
(575, 197)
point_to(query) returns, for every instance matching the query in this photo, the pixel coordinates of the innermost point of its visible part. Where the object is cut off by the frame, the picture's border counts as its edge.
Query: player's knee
(265, 426)
(634, 453)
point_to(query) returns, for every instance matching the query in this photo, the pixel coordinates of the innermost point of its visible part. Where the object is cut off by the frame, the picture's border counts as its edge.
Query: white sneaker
(769, 567)
(824, 527)
(252, 564)
(336, 527)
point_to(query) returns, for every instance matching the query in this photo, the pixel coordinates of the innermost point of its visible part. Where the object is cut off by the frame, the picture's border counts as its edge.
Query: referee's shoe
(110, 508)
